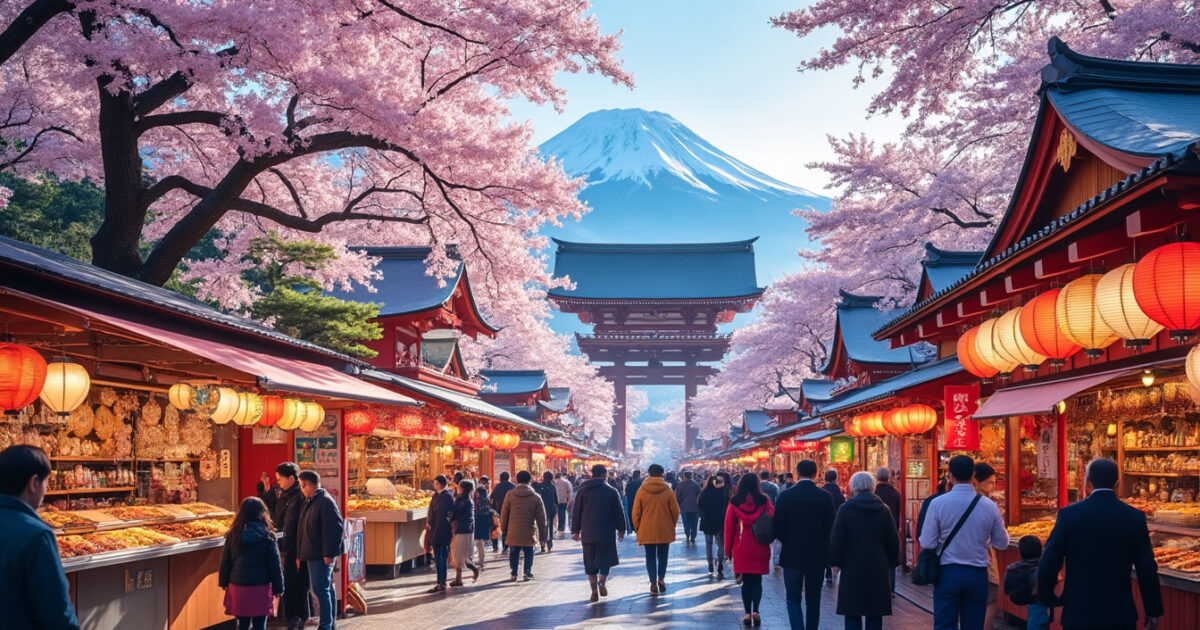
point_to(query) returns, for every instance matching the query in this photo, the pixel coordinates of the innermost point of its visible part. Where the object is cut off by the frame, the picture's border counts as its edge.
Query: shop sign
(962, 432)
(841, 450)
(1047, 451)
(225, 463)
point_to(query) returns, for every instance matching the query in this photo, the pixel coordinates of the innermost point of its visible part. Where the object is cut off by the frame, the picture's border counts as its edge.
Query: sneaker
(528, 576)
(710, 566)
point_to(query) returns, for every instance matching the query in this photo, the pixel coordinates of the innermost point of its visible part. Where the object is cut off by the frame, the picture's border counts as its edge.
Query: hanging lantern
(1011, 344)
(1192, 366)
(22, 376)
(969, 358)
(293, 415)
(1038, 325)
(273, 408)
(1119, 309)
(762, 454)
(181, 396)
(360, 420)
(987, 349)
(450, 433)
(314, 415)
(1079, 319)
(515, 438)
(892, 421)
(1166, 285)
(920, 418)
(226, 407)
(874, 424)
(250, 409)
(67, 385)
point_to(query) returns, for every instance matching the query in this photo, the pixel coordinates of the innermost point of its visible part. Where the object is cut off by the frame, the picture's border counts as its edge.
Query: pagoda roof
(756, 421)
(857, 319)
(512, 381)
(944, 267)
(816, 389)
(560, 400)
(893, 386)
(657, 271)
(407, 288)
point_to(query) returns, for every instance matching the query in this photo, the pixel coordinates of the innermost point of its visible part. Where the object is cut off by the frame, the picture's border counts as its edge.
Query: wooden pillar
(1060, 420)
(689, 431)
(619, 417)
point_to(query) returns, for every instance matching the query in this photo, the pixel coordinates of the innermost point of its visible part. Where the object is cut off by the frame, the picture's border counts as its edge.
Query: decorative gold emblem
(1066, 149)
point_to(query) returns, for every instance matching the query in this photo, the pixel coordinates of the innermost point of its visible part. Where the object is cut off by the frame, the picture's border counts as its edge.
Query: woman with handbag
(462, 524)
(748, 542)
(865, 546)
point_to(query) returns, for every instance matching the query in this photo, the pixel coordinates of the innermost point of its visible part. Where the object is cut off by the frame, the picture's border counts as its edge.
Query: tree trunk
(115, 244)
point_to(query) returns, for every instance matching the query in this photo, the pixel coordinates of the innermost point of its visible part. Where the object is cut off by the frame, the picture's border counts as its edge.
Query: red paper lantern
(1166, 286)
(409, 421)
(970, 360)
(273, 408)
(919, 418)
(22, 375)
(1040, 330)
(359, 420)
(891, 421)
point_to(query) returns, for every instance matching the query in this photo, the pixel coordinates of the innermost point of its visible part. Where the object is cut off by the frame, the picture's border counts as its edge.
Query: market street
(558, 597)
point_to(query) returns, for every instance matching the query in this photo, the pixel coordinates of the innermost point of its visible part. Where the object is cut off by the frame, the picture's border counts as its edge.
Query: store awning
(462, 402)
(817, 436)
(273, 372)
(1041, 398)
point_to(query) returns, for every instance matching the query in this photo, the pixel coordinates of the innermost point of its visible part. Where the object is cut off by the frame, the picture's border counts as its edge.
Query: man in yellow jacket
(655, 514)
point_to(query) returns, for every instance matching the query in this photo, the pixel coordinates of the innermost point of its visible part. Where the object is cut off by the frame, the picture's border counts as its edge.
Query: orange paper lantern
(1039, 327)
(919, 418)
(892, 422)
(970, 359)
(1166, 285)
(273, 407)
(22, 376)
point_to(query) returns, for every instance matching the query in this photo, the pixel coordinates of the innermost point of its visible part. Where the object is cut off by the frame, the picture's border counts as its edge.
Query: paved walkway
(558, 597)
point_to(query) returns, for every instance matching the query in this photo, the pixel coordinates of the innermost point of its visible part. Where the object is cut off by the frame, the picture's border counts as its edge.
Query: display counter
(394, 538)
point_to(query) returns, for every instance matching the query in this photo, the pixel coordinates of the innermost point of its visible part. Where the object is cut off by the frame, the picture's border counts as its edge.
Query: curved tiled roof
(663, 271)
(512, 381)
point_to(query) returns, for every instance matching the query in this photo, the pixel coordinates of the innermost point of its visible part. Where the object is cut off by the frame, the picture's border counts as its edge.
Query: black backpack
(1019, 579)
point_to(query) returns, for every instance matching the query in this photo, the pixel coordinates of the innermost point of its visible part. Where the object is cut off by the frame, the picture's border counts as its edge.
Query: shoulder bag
(929, 562)
(762, 529)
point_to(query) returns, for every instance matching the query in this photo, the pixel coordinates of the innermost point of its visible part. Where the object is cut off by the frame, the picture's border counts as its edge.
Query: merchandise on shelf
(406, 498)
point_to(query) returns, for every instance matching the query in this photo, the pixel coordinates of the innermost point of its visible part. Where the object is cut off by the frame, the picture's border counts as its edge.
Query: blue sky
(721, 69)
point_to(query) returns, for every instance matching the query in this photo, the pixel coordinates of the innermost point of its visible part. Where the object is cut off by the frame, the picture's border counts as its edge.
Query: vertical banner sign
(962, 432)
(1047, 451)
(841, 450)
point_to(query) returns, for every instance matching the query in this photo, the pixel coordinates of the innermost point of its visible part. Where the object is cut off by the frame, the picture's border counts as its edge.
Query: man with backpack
(1020, 583)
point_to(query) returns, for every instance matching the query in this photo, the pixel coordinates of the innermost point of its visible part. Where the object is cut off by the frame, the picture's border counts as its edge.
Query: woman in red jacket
(751, 558)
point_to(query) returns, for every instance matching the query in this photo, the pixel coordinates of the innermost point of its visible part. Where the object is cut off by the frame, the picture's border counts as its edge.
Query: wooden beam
(970, 306)
(1053, 263)
(993, 295)
(1021, 279)
(1152, 220)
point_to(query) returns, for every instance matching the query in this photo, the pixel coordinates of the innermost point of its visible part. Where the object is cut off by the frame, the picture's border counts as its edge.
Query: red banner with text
(962, 433)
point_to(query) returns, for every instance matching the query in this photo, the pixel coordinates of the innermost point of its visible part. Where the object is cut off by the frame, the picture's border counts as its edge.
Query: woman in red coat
(751, 558)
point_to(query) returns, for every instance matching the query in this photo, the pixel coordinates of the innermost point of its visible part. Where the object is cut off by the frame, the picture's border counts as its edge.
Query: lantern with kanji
(1166, 285)
(1078, 317)
(273, 410)
(22, 376)
(360, 420)
(1039, 327)
(1119, 309)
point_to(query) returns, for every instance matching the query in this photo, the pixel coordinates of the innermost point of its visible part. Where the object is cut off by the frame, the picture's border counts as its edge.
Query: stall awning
(462, 402)
(1041, 398)
(817, 436)
(273, 372)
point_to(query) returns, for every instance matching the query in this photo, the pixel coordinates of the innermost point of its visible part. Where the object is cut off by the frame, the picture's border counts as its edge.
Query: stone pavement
(558, 597)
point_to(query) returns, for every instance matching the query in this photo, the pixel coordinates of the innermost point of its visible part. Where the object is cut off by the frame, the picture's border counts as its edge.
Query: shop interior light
(1112, 429)
(22, 376)
(1147, 377)
(66, 387)
(1079, 318)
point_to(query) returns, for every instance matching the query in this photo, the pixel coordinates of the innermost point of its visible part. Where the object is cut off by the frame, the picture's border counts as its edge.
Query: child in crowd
(1020, 583)
(484, 516)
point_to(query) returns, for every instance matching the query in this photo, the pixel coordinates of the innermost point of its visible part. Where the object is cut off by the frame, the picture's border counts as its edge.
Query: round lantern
(892, 421)
(1011, 344)
(1119, 309)
(848, 426)
(273, 407)
(1166, 285)
(484, 438)
(988, 351)
(293, 415)
(408, 421)
(762, 454)
(67, 385)
(1079, 319)
(969, 358)
(874, 424)
(314, 415)
(920, 418)
(250, 409)
(1038, 325)
(359, 420)
(227, 405)
(22, 376)
(181, 396)
(1192, 366)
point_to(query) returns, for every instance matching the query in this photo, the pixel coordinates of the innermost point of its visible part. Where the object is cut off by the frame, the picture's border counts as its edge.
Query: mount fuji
(652, 179)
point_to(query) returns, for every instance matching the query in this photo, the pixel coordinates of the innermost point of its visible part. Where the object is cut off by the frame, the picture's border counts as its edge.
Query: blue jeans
(961, 593)
(806, 584)
(562, 517)
(320, 576)
(625, 505)
(656, 560)
(441, 558)
(856, 623)
(690, 521)
(1039, 617)
(514, 555)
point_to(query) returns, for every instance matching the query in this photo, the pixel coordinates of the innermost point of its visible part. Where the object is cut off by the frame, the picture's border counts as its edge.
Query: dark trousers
(856, 623)
(514, 556)
(656, 560)
(751, 592)
(562, 517)
(549, 529)
(690, 521)
(295, 598)
(960, 598)
(252, 623)
(803, 584)
(441, 558)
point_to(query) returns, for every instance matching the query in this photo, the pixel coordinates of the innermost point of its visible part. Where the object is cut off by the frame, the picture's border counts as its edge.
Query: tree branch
(28, 23)
(448, 31)
(33, 143)
(173, 119)
(966, 225)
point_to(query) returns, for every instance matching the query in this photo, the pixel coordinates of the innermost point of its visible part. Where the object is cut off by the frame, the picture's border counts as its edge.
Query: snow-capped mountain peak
(641, 146)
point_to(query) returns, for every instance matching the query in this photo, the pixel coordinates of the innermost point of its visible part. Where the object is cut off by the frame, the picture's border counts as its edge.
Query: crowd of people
(280, 551)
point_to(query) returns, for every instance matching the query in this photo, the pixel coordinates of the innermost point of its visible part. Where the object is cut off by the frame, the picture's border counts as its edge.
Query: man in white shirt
(563, 488)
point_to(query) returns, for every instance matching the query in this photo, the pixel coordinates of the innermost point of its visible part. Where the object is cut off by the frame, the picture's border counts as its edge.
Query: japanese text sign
(962, 433)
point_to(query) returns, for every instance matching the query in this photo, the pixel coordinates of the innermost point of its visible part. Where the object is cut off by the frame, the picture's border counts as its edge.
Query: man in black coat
(835, 492)
(595, 517)
(498, 495)
(285, 502)
(891, 498)
(803, 522)
(319, 543)
(1099, 538)
(439, 534)
(631, 490)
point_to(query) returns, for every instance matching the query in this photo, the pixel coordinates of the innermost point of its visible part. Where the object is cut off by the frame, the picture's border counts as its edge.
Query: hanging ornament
(181, 396)
(1119, 309)
(986, 348)
(1192, 367)
(969, 357)
(1011, 344)
(1078, 317)
(1166, 285)
(66, 387)
(226, 407)
(314, 415)
(920, 418)
(1038, 325)
(892, 422)
(250, 409)
(359, 420)
(22, 376)
(273, 410)
(293, 415)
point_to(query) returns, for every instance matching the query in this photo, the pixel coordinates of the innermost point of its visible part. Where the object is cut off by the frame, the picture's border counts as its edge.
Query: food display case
(385, 473)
